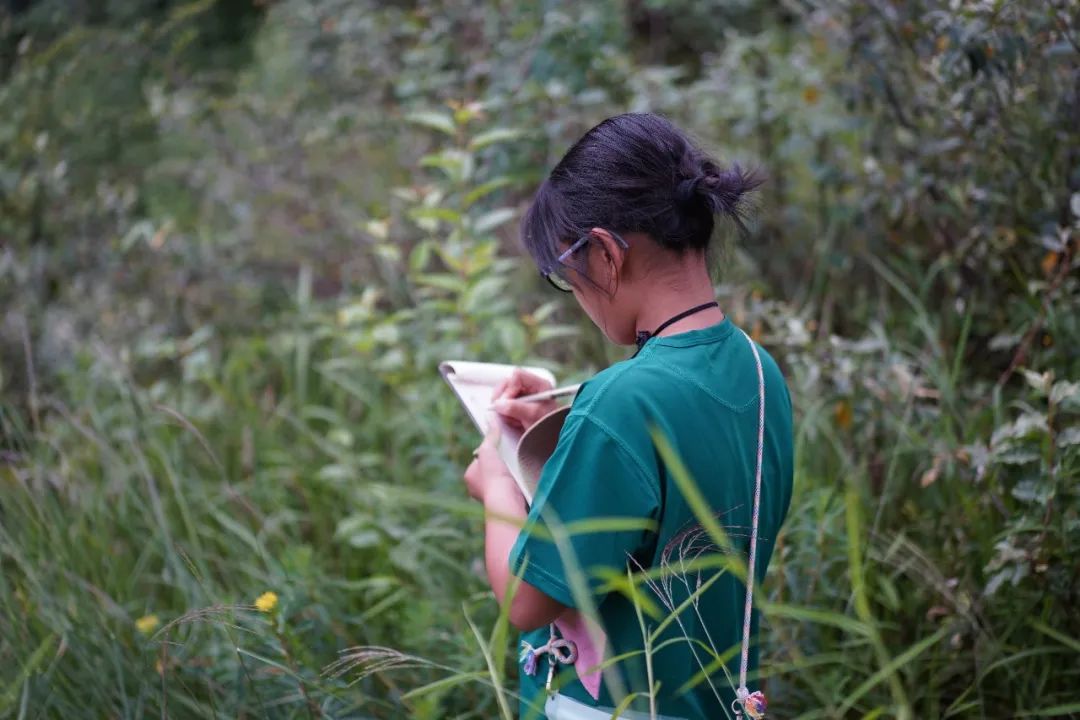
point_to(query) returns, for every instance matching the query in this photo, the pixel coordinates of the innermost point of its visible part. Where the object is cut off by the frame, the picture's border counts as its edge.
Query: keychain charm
(558, 650)
(753, 703)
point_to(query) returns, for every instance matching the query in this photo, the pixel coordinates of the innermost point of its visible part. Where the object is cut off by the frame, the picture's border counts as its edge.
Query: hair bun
(686, 193)
(727, 190)
(724, 191)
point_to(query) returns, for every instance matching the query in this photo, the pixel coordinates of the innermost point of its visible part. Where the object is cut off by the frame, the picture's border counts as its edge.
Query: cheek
(587, 301)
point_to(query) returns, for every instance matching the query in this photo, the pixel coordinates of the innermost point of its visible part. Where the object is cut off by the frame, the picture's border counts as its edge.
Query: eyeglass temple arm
(581, 241)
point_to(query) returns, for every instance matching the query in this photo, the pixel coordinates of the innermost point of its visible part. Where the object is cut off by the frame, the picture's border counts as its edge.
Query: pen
(548, 394)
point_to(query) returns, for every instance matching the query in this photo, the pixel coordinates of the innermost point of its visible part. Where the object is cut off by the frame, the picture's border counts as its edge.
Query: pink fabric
(573, 626)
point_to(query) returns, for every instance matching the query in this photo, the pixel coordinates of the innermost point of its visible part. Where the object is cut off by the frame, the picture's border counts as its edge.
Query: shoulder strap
(744, 700)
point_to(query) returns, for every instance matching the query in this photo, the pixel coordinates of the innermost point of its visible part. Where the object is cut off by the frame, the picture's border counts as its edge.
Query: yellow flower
(147, 624)
(1049, 262)
(266, 602)
(843, 415)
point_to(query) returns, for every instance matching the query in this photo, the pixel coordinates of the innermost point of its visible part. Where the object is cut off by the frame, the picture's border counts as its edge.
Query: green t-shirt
(699, 389)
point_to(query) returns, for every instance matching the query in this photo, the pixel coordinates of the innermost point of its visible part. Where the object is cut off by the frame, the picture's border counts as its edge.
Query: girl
(623, 223)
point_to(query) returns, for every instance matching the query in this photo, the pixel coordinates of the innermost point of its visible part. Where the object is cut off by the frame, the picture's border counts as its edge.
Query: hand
(488, 474)
(522, 415)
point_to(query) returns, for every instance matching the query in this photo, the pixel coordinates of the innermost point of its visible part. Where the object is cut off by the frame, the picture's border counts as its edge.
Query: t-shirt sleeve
(594, 476)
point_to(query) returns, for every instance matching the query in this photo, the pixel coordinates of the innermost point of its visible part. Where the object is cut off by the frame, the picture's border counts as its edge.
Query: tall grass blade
(29, 666)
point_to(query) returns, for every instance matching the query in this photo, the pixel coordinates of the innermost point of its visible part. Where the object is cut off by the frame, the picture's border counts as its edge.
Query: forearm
(505, 514)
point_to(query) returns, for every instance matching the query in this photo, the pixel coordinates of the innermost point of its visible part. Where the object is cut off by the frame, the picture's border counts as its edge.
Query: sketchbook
(524, 453)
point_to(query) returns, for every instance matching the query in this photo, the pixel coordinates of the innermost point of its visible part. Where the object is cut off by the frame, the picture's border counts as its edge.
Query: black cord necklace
(644, 335)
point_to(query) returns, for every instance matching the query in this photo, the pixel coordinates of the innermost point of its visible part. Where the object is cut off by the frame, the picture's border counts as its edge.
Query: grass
(127, 509)
(189, 499)
(928, 564)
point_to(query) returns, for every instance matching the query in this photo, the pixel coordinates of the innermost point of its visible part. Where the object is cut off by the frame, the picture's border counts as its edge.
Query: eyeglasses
(556, 275)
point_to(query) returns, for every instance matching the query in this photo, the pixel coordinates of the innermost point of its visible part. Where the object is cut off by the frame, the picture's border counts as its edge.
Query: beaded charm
(756, 705)
(753, 703)
(528, 658)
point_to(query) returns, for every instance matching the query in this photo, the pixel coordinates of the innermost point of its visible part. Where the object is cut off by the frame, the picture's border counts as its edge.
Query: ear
(613, 256)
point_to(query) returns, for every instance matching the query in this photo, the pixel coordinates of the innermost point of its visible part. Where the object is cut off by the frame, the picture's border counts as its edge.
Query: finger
(528, 383)
(514, 386)
(525, 413)
(510, 422)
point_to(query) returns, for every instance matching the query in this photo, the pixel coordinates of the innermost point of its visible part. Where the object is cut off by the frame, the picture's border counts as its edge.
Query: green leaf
(552, 332)
(1054, 711)
(512, 337)
(389, 252)
(433, 120)
(609, 524)
(457, 165)
(1038, 381)
(483, 190)
(420, 255)
(495, 135)
(1063, 391)
(336, 473)
(272, 663)
(816, 617)
(442, 281)
(435, 213)
(545, 311)
(493, 219)
(482, 293)
(494, 672)
(1016, 456)
(379, 229)
(625, 704)
(29, 666)
(445, 683)
(1025, 425)
(1032, 491)
(889, 669)
(1069, 642)
(1069, 436)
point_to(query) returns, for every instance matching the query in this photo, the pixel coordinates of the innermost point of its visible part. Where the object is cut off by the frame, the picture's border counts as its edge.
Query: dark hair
(635, 173)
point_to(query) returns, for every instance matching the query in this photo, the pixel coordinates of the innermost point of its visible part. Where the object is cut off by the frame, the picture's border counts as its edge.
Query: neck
(666, 301)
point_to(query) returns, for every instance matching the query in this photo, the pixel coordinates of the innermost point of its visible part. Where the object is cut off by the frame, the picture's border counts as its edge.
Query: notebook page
(474, 384)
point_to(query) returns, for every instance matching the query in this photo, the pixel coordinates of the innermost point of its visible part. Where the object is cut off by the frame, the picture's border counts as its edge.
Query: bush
(233, 260)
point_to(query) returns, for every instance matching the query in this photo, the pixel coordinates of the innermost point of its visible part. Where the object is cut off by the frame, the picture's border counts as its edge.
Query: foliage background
(236, 237)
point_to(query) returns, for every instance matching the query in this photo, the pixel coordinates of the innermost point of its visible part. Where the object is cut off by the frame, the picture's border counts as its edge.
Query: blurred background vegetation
(236, 236)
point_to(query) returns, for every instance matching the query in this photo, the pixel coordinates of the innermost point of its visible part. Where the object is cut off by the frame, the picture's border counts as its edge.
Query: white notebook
(474, 383)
